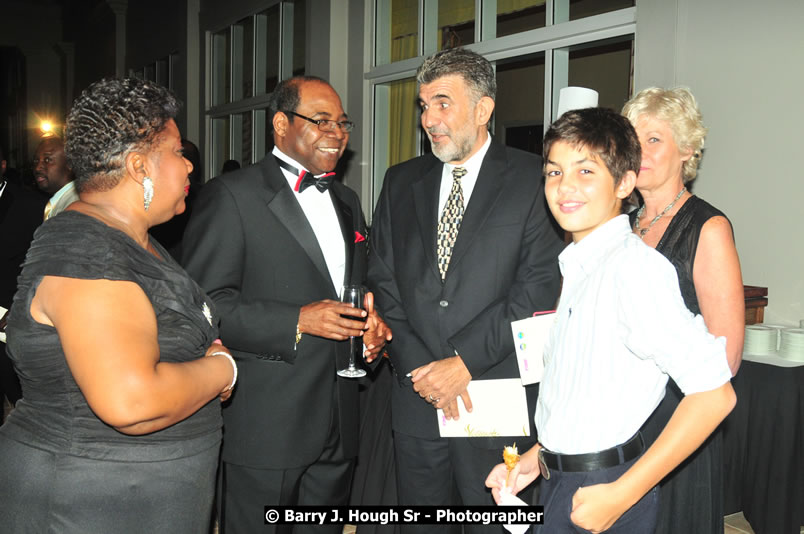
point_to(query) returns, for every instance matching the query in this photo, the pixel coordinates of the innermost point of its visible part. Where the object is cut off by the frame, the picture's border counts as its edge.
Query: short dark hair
(476, 71)
(287, 96)
(603, 131)
(111, 118)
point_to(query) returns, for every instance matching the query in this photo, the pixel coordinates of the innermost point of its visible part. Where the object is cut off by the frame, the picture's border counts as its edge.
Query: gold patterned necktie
(48, 209)
(450, 221)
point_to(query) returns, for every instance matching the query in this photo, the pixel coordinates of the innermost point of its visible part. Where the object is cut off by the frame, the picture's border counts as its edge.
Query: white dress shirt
(61, 199)
(320, 213)
(621, 328)
(472, 166)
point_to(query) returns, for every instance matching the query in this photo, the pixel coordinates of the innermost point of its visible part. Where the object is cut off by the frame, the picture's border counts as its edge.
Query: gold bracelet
(298, 334)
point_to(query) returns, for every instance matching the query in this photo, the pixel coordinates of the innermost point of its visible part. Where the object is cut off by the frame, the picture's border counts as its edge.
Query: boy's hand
(596, 508)
(523, 474)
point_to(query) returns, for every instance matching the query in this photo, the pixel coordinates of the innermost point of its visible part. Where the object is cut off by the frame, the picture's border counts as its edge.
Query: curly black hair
(112, 117)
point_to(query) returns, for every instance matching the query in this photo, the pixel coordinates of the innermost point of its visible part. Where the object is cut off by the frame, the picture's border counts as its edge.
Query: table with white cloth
(764, 445)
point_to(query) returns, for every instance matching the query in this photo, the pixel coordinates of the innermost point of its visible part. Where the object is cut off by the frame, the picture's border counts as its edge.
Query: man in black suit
(273, 254)
(450, 301)
(54, 176)
(20, 215)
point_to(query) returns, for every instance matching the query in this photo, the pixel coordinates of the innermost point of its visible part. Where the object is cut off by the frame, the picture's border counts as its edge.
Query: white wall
(744, 61)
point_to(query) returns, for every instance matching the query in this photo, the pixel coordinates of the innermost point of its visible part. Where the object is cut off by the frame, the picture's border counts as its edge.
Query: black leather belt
(591, 461)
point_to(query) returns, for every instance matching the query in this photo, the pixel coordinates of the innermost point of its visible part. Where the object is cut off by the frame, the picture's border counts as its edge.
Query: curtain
(404, 117)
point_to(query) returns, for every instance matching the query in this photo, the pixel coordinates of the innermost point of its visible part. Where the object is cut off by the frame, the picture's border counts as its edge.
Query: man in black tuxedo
(450, 301)
(20, 215)
(273, 254)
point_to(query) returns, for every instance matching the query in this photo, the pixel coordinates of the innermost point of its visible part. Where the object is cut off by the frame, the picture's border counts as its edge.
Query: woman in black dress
(697, 239)
(119, 428)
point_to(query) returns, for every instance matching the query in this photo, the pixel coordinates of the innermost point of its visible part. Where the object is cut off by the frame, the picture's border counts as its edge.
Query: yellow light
(46, 127)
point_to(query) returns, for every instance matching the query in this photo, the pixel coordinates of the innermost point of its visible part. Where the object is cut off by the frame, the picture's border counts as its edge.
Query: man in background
(20, 215)
(53, 176)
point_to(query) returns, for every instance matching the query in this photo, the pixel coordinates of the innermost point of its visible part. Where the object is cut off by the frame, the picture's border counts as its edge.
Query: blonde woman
(697, 239)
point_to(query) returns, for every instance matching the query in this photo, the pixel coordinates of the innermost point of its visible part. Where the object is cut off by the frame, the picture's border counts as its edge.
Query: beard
(457, 145)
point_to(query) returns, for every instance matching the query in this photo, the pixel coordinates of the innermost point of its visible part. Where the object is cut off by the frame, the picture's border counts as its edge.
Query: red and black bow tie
(306, 179)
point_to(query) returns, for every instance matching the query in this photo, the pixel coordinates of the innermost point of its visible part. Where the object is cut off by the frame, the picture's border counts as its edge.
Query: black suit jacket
(250, 246)
(21, 213)
(503, 268)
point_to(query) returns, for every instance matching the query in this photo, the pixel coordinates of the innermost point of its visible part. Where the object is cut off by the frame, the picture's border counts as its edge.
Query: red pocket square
(359, 237)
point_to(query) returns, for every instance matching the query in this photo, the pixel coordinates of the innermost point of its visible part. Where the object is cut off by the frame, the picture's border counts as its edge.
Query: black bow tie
(306, 179)
(321, 183)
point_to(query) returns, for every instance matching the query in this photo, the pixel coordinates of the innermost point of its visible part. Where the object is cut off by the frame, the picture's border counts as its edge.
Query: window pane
(519, 110)
(243, 143)
(269, 132)
(243, 68)
(260, 134)
(604, 66)
(267, 36)
(173, 61)
(579, 9)
(220, 144)
(397, 30)
(221, 68)
(396, 126)
(162, 72)
(514, 16)
(456, 23)
(299, 36)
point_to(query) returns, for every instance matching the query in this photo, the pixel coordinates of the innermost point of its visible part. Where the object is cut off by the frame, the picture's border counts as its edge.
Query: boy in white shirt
(621, 329)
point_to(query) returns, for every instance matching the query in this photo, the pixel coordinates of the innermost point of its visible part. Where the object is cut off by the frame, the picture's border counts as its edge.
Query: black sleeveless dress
(692, 495)
(63, 470)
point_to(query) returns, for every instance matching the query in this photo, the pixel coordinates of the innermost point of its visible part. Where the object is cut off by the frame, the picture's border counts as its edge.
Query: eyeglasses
(326, 125)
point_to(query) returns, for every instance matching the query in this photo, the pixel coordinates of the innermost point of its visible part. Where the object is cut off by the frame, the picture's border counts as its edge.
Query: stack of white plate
(760, 339)
(779, 328)
(791, 346)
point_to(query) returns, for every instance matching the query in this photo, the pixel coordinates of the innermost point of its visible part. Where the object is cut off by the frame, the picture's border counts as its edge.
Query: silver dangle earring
(147, 192)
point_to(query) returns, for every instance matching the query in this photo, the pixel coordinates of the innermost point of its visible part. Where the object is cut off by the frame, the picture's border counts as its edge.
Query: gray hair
(678, 108)
(476, 71)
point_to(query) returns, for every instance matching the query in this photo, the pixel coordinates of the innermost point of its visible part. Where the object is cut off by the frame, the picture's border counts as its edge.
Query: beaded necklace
(643, 231)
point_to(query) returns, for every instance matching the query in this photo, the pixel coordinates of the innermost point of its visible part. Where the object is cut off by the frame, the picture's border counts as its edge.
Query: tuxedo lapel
(490, 182)
(425, 197)
(281, 201)
(346, 220)
(6, 200)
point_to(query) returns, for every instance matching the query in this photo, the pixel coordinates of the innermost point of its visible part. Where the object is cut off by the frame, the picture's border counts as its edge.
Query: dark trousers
(244, 491)
(556, 496)
(443, 472)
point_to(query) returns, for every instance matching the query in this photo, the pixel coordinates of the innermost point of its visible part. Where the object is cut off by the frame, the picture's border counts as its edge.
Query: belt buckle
(543, 466)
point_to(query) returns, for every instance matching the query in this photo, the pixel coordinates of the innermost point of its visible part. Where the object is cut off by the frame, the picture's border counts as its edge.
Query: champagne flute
(354, 295)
